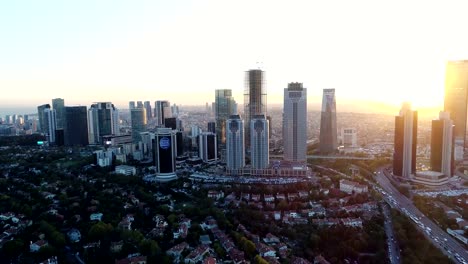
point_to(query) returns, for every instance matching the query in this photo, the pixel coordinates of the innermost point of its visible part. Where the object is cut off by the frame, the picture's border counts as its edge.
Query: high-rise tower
(76, 126)
(442, 144)
(149, 111)
(58, 104)
(295, 122)
(404, 155)
(255, 98)
(138, 119)
(165, 150)
(235, 148)
(43, 123)
(224, 108)
(162, 110)
(103, 120)
(455, 102)
(328, 138)
(259, 142)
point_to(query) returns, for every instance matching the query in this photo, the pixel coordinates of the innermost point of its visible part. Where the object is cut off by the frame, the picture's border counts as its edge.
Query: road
(393, 249)
(326, 157)
(438, 237)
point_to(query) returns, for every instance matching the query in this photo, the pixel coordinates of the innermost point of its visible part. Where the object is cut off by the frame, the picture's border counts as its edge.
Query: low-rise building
(352, 187)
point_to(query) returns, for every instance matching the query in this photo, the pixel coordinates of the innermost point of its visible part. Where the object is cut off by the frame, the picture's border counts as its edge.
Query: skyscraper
(50, 124)
(235, 148)
(295, 122)
(328, 138)
(224, 107)
(208, 146)
(58, 104)
(456, 99)
(138, 119)
(259, 142)
(406, 129)
(103, 120)
(211, 127)
(131, 105)
(442, 144)
(149, 111)
(162, 111)
(76, 126)
(43, 125)
(165, 146)
(255, 98)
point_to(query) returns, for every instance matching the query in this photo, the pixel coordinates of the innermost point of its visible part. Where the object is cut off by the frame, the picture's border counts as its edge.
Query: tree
(259, 260)
(100, 231)
(149, 247)
(13, 248)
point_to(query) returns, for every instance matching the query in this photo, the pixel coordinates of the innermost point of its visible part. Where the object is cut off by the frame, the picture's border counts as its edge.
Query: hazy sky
(370, 51)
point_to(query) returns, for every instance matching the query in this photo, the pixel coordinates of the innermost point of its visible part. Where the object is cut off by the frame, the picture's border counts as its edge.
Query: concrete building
(51, 124)
(350, 187)
(76, 126)
(349, 137)
(255, 99)
(138, 119)
(442, 145)
(125, 170)
(455, 101)
(162, 110)
(208, 147)
(148, 109)
(42, 124)
(224, 107)
(58, 104)
(165, 151)
(259, 142)
(328, 142)
(295, 123)
(235, 148)
(404, 155)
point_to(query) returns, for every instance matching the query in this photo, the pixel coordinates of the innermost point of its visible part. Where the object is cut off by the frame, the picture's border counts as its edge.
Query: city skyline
(124, 51)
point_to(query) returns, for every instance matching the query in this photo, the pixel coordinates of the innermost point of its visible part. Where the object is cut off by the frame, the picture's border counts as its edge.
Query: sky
(376, 54)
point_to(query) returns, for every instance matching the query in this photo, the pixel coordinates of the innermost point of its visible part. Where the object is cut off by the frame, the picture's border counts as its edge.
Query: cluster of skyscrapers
(447, 136)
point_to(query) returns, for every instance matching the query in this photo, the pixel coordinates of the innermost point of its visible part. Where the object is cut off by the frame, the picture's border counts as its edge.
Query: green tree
(100, 231)
(259, 260)
(149, 247)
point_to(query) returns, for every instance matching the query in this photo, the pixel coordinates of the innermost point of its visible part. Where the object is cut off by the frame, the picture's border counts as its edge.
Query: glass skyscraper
(295, 122)
(255, 98)
(328, 130)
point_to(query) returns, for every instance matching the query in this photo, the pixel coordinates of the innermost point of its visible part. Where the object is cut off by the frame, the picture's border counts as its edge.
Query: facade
(103, 120)
(255, 99)
(455, 101)
(162, 110)
(41, 118)
(138, 117)
(350, 187)
(224, 107)
(149, 111)
(295, 122)
(328, 138)
(259, 142)
(430, 178)
(131, 105)
(76, 126)
(404, 155)
(208, 146)
(235, 148)
(211, 127)
(58, 104)
(125, 170)
(349, 137)
(442, 144)
(165, 150)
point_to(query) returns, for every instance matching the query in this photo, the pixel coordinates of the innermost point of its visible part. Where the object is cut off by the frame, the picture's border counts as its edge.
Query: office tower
(456, 92)
(162, 111)
(404, 156)
(76, 126)
(349, 137)
(139, 104)
(255, 98)
(211, 127)
(224, 108)
(131, 105)
(15, 117)
(138, 119)
(149, 111)
(172, 123)
(42, 118)
(165, 152)
(295, 122)
(328, 138)
(103, 120)
(58, 104)
(208, 147)
(180, 143)
(259, 142)
(8, 119)
(50, 124)
(235, 148)
(442, 144)
(174, 110)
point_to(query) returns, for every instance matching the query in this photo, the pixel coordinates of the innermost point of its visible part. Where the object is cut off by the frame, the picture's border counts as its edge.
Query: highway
(393, 249)
(273, 156)
(438, 237)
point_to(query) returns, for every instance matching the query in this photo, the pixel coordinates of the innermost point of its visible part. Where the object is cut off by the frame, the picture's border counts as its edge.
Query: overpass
(326, 157)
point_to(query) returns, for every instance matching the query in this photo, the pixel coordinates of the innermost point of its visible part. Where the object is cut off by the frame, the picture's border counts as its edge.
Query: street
(393, 249)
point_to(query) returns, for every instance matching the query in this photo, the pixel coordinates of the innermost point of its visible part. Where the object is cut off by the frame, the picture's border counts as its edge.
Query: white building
(259, 146)
(125, 170)
(350, 187)
(51, 119)
(295, 122)
(349, 137)
(208, 146)
(235, 148)
(103, 120)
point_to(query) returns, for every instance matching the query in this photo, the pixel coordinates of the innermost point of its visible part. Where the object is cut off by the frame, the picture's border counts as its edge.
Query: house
(52, 260)
(353, 222)
(280, 196)
(271, 239)
(237, 256)
(297, 260)
(176, 251)
(74, 235)
(210, 260)
(96, 217)
(269, 198)
(116, 246)
(6, 216)
(36, 246)
(255, 197)
(205, 240)
(271, 260)
(132, 260)
(277, 215)
(265, 250)
(320, 260)
(196, 255)
(350, 187)
(215, 194)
